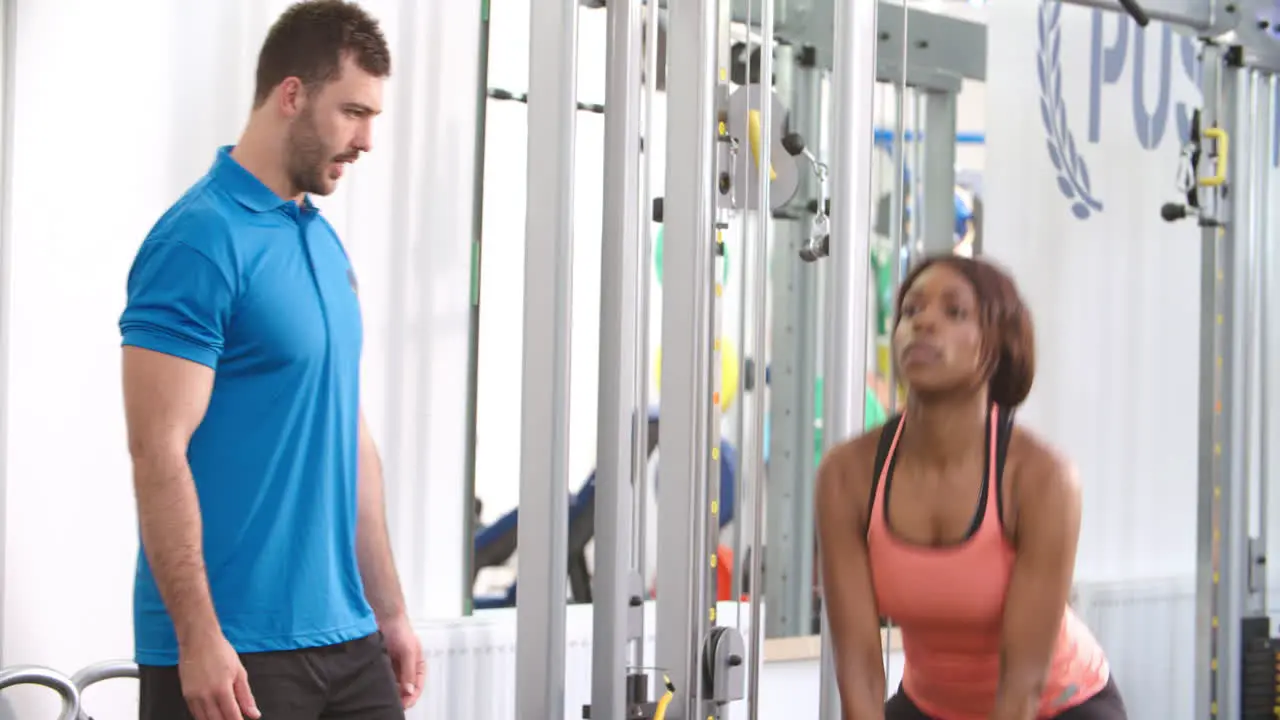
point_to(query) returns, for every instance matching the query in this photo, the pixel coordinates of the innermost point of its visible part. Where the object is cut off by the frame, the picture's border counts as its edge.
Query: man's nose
(364, 138)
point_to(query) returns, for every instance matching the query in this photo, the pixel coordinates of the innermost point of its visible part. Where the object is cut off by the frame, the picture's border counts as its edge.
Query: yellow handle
(1220, 164)
(660, 713)
(753, 131)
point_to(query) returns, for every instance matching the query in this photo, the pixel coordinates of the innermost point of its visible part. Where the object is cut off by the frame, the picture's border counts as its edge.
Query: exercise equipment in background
(45, 677)
(100, 672)
(657, 259)
(70, 689)
(730, 367)
(496, 544)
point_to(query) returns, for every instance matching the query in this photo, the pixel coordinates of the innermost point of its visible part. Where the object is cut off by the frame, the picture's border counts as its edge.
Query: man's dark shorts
(350, 681)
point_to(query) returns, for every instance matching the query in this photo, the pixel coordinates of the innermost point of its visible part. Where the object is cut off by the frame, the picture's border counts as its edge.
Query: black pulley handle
(1136, 12)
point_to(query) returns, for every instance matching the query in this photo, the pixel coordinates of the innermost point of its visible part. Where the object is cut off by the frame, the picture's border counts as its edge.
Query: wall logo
(1069, 165)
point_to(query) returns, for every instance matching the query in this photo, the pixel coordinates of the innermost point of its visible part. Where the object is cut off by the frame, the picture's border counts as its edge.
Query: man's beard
(308, 158)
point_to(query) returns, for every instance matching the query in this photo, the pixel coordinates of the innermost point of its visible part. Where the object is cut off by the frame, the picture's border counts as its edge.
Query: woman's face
(938, 340)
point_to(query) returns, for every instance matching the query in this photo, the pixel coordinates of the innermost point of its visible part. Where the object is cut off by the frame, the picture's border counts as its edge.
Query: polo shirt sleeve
(179, 302)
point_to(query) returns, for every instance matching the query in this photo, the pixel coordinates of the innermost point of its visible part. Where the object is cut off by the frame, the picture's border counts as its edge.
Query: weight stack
(1259, 670)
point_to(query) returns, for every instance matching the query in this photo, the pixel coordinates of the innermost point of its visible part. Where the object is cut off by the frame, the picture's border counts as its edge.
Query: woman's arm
(1047, 501)
(846, 593)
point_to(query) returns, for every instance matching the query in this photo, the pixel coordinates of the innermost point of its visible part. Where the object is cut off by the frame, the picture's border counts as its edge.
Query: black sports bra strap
(1004, 433)
(887, 433)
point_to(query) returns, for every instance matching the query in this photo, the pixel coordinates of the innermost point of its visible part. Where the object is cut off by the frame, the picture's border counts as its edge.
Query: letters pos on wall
(1115, 43)
(744, 113)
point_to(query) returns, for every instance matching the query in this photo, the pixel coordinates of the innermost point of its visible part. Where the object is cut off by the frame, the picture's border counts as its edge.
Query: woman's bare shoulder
(1034, 464)
(846, 473)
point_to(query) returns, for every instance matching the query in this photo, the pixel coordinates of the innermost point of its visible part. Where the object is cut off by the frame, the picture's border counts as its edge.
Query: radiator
(1147, 628)
(471, 662)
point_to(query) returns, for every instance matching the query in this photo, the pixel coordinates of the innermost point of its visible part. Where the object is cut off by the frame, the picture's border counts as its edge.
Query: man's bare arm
(165, 399)
(373, 544)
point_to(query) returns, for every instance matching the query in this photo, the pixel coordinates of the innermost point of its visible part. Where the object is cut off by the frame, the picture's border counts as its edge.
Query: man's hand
(214, 682)
(406, 658)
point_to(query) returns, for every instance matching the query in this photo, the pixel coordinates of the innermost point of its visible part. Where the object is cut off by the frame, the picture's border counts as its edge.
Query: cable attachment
(1185, 179)
(818, 244)
(1188, 181)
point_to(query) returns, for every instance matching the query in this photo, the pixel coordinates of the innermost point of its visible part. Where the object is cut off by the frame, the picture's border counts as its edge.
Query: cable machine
(720, 149)
(704, 663)
(1227, 183)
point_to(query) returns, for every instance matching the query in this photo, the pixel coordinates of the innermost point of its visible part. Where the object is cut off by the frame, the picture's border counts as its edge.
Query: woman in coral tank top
(959, 526)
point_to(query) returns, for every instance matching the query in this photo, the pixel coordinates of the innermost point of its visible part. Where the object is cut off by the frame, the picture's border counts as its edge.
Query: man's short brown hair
(309, 40)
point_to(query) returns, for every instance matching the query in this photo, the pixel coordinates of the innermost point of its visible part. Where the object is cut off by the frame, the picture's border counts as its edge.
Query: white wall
(1116, 295)
(96, 159)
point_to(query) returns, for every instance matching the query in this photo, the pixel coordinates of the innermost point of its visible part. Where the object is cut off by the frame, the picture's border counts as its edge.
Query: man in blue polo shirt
(265, 584)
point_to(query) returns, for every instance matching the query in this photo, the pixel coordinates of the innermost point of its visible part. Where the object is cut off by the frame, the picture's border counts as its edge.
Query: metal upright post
(618, 408)
(844, 372)
(939, 179)
(1249, 342)
(898, 195)
(1223, 527)
(685, 435)
(544, 431)
(8, 81)
(1266, 256)
(644, 252)
(1212, 380)
(473, 331)
(792, 379)
(764, 224)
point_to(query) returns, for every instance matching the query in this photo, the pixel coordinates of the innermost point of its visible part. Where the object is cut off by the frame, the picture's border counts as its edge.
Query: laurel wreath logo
(1073, 174)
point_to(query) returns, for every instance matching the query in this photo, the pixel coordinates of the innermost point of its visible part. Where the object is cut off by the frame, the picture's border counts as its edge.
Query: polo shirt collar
(245, 187)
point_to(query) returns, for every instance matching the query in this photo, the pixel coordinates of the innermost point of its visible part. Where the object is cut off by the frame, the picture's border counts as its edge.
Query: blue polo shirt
(259, 289)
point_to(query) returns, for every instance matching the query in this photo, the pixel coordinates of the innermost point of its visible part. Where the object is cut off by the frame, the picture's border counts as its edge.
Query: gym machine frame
(705, 661)
(1226, 186)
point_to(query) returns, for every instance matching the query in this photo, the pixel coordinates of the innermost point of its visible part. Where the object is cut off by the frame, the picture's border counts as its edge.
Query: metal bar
(764, 227)
(1224, 577)
(897, 213)
(939, 178)
(897, 191)
(685, 434)
(548, 316)
(1200, 15)
(789, 549)
(1212, 380)
(644, 250)
(619, 412)
(937, 40)
(473, 322)
(1249, 336)
(1265, 334)
(844, 374)
(746, 243)
(45, 677)
(100, 672)
(9, 38)
(1233, 575)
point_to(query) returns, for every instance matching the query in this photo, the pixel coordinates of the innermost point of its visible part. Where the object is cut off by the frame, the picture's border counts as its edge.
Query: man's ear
(291, 96)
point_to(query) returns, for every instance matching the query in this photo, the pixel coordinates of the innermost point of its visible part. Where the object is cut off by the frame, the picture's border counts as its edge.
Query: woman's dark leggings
(1106, 705)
